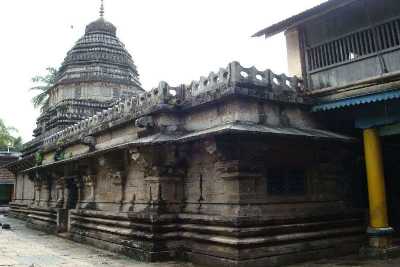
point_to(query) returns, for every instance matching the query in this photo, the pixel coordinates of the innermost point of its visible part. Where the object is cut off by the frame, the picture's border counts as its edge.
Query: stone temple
(230, 170)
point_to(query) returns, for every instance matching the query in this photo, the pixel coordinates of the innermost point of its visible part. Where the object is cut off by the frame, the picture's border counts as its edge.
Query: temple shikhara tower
(242, 167)
(97, 71)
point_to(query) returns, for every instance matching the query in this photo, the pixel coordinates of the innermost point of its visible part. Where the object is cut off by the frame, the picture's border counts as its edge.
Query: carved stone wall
(226, 171)
(59, 192)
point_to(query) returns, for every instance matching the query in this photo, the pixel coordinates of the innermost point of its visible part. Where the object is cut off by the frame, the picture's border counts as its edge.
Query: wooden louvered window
(355, 45)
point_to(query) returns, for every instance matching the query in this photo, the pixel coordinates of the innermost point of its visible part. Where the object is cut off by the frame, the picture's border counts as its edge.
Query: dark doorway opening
(6, 193)
(72, 198)
(391, 148)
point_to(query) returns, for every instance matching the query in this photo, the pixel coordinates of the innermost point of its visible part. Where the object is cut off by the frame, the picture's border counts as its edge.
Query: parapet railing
(233, 75)
(237, 74)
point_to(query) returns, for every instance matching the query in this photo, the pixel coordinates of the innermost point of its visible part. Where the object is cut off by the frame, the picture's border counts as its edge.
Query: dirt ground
(23, 247)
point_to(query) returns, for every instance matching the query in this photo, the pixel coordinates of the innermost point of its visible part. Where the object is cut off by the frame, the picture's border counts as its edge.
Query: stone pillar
(379, 231)
(62, 212)
(89, 183)
(117, 178)
(78, 182)
(60, 188)
(46, 190)
(37, 187)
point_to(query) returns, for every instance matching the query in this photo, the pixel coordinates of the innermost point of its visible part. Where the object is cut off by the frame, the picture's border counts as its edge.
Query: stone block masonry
(230, 170)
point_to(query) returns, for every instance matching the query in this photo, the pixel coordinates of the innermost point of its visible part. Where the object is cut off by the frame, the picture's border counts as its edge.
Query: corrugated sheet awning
(350, 102)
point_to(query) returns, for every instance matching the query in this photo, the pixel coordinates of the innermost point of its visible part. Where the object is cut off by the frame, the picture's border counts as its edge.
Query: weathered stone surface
(24, 247)
(231, 170)
(96, 72)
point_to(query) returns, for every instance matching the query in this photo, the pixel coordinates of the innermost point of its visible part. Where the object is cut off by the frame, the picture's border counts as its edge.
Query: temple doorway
(72, 197)
(63, 217)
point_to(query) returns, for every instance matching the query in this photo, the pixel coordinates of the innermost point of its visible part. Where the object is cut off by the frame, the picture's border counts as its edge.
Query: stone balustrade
(145, 103)
(237, 74)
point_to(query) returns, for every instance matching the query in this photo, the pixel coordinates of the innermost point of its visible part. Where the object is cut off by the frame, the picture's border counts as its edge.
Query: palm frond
(40, 99)
(46, 82)
(40, 88)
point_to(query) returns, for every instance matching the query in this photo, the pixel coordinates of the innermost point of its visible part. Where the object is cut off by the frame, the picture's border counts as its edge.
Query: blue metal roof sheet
(357, 101)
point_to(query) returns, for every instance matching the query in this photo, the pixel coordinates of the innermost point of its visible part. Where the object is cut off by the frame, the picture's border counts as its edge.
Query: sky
(176, 41)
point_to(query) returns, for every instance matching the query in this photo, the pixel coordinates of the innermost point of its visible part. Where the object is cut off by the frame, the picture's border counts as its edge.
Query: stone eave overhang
(234, 128)
(241, 92)
(266, 130)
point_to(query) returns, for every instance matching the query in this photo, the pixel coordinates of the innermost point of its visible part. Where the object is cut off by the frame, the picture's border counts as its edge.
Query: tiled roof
(7, 158)
(6, 174)
(302, 17)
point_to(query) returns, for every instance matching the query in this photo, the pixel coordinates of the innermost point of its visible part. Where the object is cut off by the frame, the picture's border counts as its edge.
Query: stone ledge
(380, 253)
(135, 253)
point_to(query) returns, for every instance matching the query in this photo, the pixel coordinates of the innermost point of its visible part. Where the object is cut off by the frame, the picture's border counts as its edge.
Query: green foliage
(7, 138)
(41, 100)
(38, 158)
(59, 155)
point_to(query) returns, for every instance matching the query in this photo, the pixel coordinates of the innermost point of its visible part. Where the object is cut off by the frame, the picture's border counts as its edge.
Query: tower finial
(102, 9)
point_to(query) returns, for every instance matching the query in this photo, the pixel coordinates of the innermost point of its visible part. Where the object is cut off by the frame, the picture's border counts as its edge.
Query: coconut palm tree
(41, 100)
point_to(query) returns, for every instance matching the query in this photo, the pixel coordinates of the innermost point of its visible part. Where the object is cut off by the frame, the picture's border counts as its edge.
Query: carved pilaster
(134, 156)
(89, 187)
(240, 180)
(89, 182)
(163, 177)
(117, 178)
(240, 166)
(37, 187)
(46, 190)
(60, 188)
(79, 187)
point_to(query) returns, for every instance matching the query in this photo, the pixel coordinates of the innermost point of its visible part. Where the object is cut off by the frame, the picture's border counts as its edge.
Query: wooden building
(348, 54)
